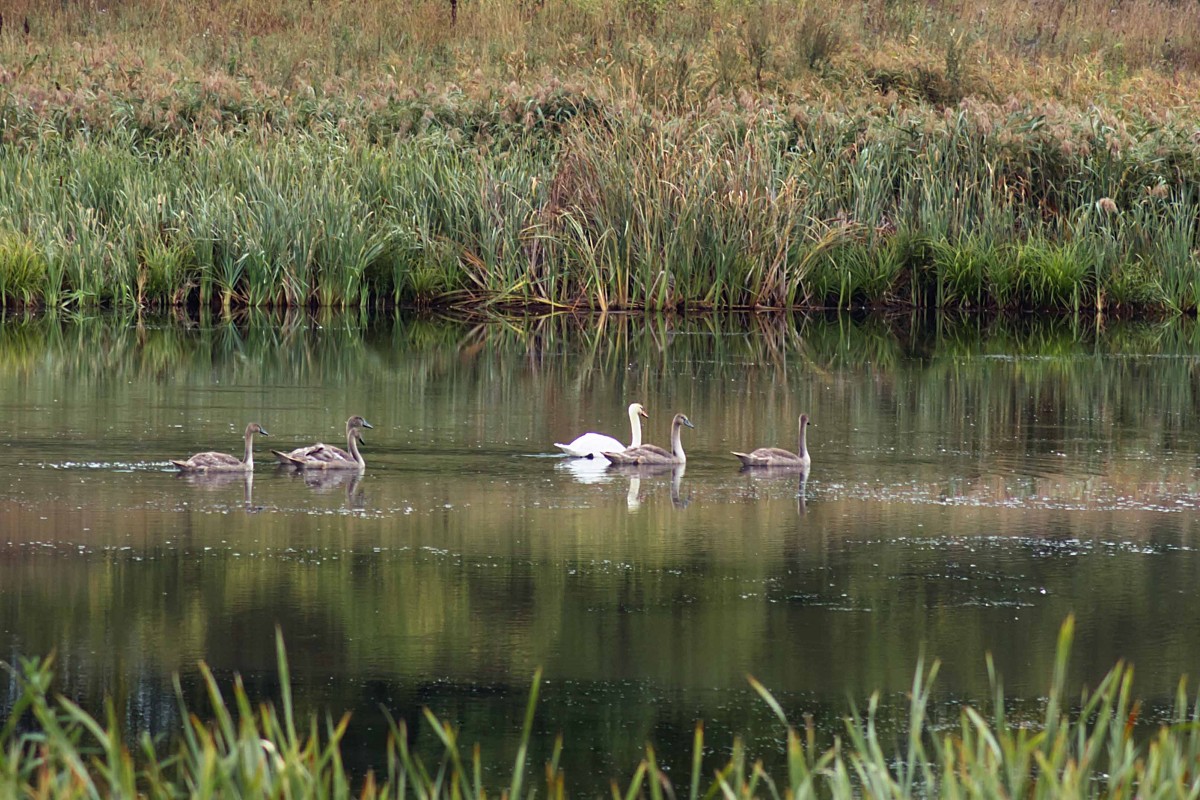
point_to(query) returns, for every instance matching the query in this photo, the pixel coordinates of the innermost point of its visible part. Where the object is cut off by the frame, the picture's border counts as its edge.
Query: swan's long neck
(635, 424)
(352, 442)
(248, 459)
(677, 442)
(802, 451)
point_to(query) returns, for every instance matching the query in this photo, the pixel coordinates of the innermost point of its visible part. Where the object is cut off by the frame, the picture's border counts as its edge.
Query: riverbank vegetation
(1082, 746)
(601, 154)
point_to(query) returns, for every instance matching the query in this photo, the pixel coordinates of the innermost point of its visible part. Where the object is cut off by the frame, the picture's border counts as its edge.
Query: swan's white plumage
(590, 444)
(594, 445)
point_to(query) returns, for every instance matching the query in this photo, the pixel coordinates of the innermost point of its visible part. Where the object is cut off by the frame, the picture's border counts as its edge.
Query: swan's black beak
(263, 431)
(367, 424)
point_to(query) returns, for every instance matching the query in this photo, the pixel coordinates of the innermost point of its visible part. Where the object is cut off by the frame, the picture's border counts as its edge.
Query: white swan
(777, 456)
(590, 445)
(653, 454)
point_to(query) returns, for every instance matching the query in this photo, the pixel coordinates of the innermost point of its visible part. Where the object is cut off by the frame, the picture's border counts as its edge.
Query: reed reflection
(977, 482)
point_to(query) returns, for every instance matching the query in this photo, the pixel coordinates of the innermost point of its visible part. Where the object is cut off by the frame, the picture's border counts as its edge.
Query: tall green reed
(1084, 745)
(979, 208)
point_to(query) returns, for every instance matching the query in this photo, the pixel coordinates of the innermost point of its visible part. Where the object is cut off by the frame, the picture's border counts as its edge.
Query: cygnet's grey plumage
(777, 456)
(653, 454)
(213, 461)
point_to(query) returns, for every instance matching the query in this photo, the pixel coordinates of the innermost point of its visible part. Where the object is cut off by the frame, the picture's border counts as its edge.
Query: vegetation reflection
(977, 481)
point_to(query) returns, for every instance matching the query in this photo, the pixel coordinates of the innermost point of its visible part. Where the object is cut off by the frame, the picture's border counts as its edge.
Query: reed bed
(973, 209)
(1083, 746)
(610, 154)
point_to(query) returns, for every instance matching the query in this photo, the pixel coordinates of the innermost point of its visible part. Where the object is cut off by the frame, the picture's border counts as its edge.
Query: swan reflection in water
(778, 473)
(329, 481)
(586, 470)
(220, 481)
(636, 472)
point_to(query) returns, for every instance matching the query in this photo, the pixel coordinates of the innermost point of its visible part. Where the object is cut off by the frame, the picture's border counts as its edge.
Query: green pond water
(973, 483)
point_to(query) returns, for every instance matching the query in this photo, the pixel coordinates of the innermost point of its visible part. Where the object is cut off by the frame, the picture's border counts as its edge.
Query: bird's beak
(367, 424)
(688, 422)
(642, 413)
(263, 431)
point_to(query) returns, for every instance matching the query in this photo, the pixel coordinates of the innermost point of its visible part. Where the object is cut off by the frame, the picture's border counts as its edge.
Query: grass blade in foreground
(63, 752)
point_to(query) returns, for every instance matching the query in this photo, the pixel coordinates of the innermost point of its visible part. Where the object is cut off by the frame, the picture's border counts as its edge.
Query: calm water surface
(973, 484)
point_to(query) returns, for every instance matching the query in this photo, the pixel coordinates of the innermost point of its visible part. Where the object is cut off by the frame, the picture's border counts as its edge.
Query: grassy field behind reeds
(1084, 746)
(601, 154)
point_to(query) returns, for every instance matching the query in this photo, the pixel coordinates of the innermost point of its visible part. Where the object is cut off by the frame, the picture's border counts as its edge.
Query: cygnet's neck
(677, 442)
